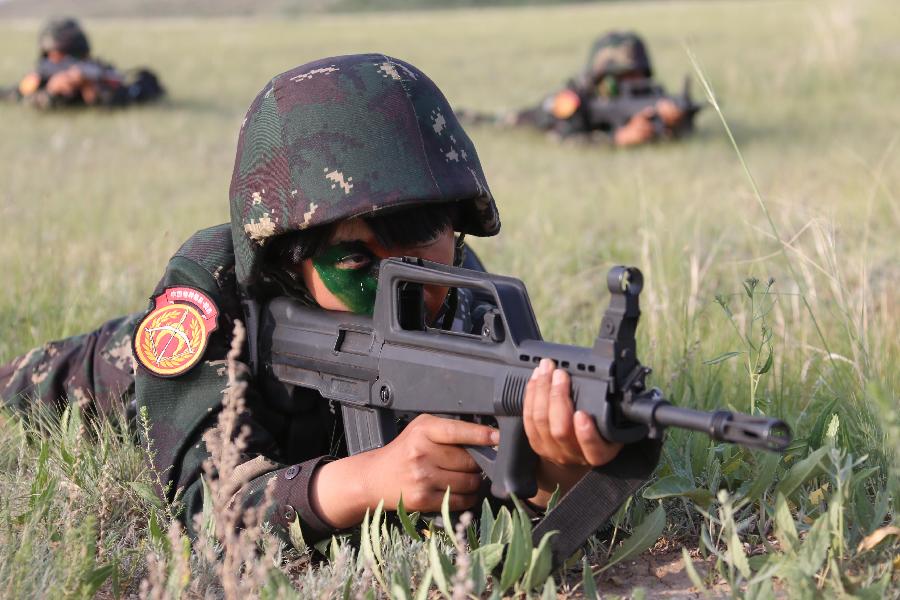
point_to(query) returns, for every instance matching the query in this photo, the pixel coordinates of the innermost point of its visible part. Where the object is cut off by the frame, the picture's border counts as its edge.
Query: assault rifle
(92, 70)
(634, 97)
(392, 364)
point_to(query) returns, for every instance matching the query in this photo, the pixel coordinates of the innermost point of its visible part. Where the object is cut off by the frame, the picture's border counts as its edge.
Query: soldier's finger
(597, 451)
(531, 432)
(560, 409)
(540, 410)
(456, 459)
(562, 423)
(460, 483)
(462, 501)
(451, 431)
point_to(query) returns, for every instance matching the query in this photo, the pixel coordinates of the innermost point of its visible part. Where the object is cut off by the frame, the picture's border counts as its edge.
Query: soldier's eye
(354, 261)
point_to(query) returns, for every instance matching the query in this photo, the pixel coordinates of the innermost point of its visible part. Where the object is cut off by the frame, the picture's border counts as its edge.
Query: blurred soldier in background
(614, 97)
(67, 75)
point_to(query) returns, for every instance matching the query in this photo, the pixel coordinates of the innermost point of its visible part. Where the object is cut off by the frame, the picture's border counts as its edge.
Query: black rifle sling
(595, 499)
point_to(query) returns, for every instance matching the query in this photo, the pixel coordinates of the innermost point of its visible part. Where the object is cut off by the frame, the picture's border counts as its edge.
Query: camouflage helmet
(343, 137)
(616, 53)
(64, 35)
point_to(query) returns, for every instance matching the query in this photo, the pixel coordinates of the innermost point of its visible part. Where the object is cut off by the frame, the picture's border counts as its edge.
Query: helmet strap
(459, 251)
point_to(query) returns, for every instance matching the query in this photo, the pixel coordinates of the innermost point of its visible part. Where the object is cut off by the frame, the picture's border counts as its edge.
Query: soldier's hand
(65, 83)
(669, 112)
(420, 463)
(566, 440)
(637, 130)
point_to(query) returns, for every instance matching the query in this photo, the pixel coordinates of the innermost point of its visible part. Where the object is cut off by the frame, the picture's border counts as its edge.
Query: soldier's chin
(434, 299)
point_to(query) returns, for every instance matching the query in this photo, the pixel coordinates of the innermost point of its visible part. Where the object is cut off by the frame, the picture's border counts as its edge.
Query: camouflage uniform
(93, 369)
(326, 141)
(612, 55)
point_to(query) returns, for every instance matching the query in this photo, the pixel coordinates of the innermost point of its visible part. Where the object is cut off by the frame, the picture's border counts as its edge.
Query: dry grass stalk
(238, 530)
(463, 585)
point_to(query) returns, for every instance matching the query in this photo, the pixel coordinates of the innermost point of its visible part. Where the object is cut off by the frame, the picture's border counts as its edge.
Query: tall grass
(774, 294)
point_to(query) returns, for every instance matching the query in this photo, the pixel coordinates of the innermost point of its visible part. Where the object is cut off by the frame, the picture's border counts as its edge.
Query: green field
(93, 204)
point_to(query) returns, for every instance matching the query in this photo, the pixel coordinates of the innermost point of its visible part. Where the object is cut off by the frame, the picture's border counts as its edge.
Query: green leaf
(766, 567)
(524, 520)
(208, 514)
(478, 576)
(501, 532)
(554, 499)
(441, 569)
(518, 555)
(366, 554)
(643, 538)
(445, 517)
(736, 554)
(375, 532)
(721, 358)
(398, 590)
(767, 365)
(489, 555)
(424, 586)
(588, 586)
(760, 590)
(93, 580)
(750, 285)
(549, 592)
(157, 535)
(817, 433)
(541, 563)
(485, 523)
(692, 573)
(801, 472)
(763, 478)
(814, 550)
(877, 590)
(295, 535)
(407, 524)
(785, 530)
(676, 485)
(334, 549)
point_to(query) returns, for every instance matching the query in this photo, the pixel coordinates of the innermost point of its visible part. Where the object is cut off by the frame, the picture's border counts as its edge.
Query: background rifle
(384, 368)
(634, 97)
(92, 70)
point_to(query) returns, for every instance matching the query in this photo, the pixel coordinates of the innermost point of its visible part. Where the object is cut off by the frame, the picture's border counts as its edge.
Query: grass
(92, 205)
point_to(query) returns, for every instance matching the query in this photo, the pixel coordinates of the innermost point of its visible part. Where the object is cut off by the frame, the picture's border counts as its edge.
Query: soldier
(618, 65)
(340, 163)
(67, 75)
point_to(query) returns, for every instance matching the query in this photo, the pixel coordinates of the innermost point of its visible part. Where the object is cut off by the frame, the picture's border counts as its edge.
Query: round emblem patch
(172, 337)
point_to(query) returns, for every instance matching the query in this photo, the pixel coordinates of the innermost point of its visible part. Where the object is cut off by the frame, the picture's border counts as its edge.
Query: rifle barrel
(763, 433)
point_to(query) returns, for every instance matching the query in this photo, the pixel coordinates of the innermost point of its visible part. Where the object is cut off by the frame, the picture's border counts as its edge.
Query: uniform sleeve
(179, 410)
(93, 369)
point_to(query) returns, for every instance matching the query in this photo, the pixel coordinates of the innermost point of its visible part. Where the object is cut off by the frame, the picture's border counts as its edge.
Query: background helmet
(616, 53)
(64, 35)
(344, 137)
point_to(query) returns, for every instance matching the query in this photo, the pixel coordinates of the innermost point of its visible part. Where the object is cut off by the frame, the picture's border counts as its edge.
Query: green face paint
(348, 270)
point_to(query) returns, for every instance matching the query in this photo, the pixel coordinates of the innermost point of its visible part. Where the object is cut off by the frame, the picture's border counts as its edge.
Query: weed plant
(774, 294)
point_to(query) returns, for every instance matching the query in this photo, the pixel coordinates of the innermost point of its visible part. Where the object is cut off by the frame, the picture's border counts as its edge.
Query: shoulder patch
(172, 337)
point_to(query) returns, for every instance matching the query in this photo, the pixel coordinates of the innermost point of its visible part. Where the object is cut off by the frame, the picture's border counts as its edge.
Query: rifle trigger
(486, 457)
